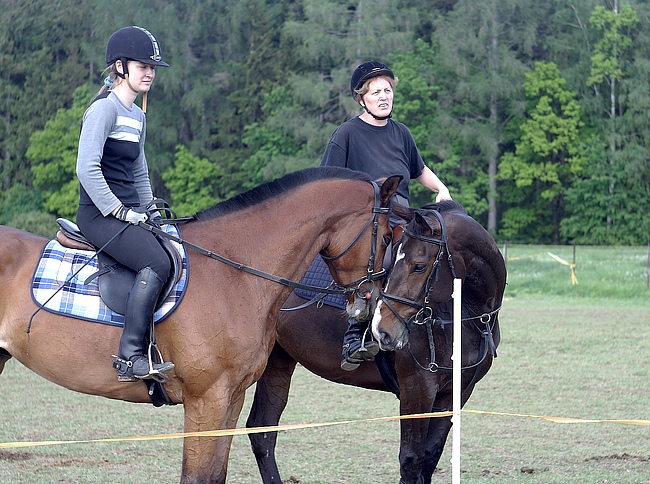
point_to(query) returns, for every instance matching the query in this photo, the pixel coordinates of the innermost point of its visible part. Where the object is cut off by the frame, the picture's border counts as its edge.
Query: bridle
(425, 312)
(334, 288)
(424, 315)
(371, 275)
(488, 345)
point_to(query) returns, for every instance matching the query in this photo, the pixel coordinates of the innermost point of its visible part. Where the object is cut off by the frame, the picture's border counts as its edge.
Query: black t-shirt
(379, 151)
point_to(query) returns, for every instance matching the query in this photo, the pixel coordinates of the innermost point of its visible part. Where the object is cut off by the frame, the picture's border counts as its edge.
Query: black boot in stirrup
(131, 362)
(355, 349)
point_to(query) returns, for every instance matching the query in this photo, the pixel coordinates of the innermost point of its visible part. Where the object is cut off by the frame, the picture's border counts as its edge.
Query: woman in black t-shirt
(376, 144)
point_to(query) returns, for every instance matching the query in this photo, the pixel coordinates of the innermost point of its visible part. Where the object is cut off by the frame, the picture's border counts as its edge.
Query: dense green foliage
(533, 113)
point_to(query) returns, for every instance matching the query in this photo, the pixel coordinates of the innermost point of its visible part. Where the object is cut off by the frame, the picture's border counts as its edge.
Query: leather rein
(335, 288)
(424, 315)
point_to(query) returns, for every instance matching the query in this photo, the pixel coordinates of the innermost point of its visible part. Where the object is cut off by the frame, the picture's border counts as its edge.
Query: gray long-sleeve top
(111, 165)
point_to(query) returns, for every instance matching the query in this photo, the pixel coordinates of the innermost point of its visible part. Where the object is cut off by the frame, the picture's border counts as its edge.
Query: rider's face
(379, 98)
(141, 75)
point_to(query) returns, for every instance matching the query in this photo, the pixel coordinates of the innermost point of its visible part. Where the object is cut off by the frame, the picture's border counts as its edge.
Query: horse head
(422, 272)
(343, 262)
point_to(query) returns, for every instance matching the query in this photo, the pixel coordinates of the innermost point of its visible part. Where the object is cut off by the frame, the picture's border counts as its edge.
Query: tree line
(535, 114)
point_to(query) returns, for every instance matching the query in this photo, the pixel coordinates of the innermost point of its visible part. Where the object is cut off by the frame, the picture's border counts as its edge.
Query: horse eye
(419, 267)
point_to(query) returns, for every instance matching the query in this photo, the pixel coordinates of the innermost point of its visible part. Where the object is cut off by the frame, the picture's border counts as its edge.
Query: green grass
(601, 272)
(583, 359)
(566, 351)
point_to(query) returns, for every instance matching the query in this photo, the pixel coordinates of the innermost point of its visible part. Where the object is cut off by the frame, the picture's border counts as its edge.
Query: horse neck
(485, 267)
(283, 236)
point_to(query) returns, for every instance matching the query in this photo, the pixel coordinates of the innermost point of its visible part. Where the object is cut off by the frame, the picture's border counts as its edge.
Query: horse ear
(421, 222)
(401, 211)
(388, 188)
(425, 224)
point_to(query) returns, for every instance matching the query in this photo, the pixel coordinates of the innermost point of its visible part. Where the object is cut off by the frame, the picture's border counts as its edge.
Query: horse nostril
(385, 339)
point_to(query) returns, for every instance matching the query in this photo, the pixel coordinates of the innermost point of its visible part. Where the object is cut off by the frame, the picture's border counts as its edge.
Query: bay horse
(436, 238)
(222, 332)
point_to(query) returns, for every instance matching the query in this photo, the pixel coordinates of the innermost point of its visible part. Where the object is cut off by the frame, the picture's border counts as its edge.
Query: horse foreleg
(412, 449)
(271, 395)
(205, 459)
(418, 391)
(438, 433)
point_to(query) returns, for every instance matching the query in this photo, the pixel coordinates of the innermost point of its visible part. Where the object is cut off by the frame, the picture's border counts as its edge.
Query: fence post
(574, 254)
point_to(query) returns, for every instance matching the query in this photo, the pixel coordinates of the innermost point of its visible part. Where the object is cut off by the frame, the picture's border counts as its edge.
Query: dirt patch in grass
(79, 461)
(9, 456)
(618, 457)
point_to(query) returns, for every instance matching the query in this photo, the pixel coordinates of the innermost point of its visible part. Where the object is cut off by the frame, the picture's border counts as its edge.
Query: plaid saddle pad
(319, 275)
(58, 284)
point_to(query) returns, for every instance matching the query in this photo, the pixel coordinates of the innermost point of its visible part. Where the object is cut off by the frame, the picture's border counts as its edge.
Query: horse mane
(280, 186)
(445, 206)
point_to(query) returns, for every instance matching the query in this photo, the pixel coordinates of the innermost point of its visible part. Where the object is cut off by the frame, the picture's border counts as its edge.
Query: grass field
(601, 272)
(575, 351)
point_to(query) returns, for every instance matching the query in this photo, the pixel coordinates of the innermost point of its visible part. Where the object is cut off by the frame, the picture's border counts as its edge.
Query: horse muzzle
(392, 336)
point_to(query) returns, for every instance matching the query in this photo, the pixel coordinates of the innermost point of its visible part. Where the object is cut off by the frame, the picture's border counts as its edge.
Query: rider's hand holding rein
(127, 215)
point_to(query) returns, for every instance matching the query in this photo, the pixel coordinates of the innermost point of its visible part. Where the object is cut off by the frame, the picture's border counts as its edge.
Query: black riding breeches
(135, 248)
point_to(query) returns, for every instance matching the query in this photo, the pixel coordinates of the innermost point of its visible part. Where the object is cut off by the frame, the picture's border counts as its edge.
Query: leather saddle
(115, 280)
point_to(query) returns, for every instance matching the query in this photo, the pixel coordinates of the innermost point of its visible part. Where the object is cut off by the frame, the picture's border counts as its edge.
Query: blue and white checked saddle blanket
(58, 288)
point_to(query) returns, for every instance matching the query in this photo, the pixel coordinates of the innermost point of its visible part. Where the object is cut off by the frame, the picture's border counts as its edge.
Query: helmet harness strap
(125, 68)
(378, 118)
(125, 76)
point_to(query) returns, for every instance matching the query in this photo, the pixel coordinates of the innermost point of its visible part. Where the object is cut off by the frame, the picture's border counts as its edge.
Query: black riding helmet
(366, 71)
(134, 43)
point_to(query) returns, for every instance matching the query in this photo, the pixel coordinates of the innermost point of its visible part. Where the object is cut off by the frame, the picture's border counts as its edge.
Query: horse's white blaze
(400, 254)
(376, 317)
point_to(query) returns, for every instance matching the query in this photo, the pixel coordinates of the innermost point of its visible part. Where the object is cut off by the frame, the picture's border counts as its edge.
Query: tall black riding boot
(355, 349)
(132, 362)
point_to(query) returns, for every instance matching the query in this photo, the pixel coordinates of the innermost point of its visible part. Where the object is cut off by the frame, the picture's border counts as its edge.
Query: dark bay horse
(222, 333)
(421, 369)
